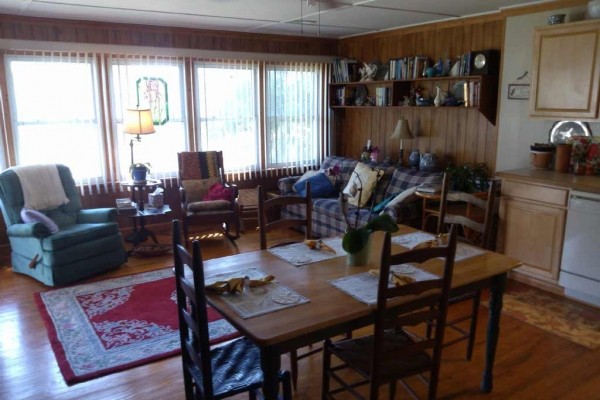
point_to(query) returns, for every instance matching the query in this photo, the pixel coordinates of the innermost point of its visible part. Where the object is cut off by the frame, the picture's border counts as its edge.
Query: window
(55, 112)
(293, 115)
(158, 84)
(228, 107)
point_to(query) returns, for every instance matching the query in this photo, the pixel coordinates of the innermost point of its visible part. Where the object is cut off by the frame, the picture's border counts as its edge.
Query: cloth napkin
(318, 245)
(395, 277)
(237, 285)
(440, 240)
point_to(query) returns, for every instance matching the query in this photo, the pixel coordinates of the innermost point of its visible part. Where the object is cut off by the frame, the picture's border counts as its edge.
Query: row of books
(345, 70)
(471, 93)
(382, 96)
(406, 67)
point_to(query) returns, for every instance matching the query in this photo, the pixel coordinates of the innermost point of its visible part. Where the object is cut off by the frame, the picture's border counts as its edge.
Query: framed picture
(518, 91)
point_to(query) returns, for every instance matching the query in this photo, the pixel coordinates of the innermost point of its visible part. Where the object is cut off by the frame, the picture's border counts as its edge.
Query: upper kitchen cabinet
(566, 71)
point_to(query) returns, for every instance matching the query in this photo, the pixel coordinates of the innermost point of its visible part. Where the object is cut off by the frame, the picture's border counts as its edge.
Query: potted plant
(355, 240)
(469, 178)
(139, 170)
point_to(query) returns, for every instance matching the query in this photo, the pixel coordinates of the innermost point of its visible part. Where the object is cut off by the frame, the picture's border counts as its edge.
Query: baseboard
(539, 284)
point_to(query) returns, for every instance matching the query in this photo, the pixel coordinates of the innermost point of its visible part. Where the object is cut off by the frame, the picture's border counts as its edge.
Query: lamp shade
(138, 121)
(402, 130)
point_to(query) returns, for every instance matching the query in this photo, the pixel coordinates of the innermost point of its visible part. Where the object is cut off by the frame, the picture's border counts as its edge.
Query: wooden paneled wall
(455, 134)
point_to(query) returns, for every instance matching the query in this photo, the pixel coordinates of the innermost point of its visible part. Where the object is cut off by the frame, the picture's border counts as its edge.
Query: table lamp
(138, 121)
(401, 132)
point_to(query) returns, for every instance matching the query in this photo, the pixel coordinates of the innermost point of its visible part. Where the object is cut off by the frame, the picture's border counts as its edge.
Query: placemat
(260, 300)
(363, 286)
(299, 254)
(410, 240)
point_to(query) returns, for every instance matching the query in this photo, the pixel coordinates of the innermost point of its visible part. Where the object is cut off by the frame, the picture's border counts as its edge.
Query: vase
(359, 258)
(428, 163)
(593, 9)
(440, 97)
(413, 159)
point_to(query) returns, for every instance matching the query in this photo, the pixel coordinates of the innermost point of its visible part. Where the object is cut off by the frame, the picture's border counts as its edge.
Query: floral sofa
(327, 218)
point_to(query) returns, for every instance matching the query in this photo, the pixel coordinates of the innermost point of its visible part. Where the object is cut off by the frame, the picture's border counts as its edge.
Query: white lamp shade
(138, 121)
(402, 130)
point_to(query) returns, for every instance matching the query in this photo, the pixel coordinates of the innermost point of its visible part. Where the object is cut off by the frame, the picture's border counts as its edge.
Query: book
(429, 188)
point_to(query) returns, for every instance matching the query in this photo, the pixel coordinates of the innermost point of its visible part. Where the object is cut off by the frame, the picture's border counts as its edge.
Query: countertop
(584, 183)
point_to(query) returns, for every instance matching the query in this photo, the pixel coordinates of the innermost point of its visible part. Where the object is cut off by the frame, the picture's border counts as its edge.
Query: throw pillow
(308, 174)
(218, 192)
(362, 177)
(320, 186)
(381, 205)
(405, 196)
(29, 215)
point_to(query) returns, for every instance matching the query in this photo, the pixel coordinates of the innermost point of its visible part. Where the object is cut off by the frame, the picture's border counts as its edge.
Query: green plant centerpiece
(470, 177)
(355, 240)
(139, 171)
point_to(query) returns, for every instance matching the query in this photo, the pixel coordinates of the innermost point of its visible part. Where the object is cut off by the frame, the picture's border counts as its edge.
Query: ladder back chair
(392, 353)
(474, 225)
(218, 372)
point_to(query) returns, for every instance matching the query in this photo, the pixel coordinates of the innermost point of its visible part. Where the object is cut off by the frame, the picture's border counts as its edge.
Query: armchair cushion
(97, 215)
(218, 192)
(77, 234)
(28, 215)
(209, 205)
(196, 189)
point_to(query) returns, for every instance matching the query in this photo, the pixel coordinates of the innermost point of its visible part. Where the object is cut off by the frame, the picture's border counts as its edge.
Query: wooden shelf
(398, 89)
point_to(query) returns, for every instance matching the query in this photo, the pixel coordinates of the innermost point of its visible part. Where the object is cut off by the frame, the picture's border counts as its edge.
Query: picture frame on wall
(518, 91)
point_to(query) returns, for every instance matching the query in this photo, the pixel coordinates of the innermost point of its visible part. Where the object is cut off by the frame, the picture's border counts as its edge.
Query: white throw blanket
(42, 187)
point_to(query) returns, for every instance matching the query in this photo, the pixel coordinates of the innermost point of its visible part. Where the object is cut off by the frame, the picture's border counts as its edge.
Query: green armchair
(87, 241)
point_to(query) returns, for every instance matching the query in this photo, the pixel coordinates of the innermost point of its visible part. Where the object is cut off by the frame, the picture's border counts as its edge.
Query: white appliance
(580, 268)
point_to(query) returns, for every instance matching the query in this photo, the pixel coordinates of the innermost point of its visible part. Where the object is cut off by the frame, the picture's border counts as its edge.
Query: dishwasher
(580, 267)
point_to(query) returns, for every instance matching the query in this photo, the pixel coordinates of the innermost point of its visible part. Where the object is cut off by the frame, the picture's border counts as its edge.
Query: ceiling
(323, 18)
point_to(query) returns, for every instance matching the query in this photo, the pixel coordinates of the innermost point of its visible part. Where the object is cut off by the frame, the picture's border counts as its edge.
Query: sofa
(327, 217)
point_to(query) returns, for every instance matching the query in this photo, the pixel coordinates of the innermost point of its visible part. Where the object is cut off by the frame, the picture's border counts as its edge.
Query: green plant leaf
(383, 222)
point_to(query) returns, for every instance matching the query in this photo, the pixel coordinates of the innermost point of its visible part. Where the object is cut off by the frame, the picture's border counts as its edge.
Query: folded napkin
(440, 240)
(236, 285)
(318, 245)
(396, 278)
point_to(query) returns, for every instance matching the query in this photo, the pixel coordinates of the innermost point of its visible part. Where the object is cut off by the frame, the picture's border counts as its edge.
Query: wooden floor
(530, 364)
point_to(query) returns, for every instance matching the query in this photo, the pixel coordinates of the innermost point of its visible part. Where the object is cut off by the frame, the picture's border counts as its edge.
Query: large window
(55, 112)
(158, 84)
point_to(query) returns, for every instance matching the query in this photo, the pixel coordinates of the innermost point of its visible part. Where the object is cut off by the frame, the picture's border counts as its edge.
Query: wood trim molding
(74, 31)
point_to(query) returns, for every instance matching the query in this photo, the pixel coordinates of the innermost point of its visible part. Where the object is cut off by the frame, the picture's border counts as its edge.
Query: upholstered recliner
(87, 241)
(201, 176)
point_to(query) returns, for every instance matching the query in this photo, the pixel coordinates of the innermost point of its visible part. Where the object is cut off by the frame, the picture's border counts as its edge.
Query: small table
(141, 233)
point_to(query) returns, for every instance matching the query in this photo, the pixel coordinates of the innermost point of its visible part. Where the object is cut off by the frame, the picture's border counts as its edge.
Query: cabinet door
(533, 233)
(566, 71)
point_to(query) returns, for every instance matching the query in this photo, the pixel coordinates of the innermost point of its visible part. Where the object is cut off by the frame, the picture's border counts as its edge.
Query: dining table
(328, 311)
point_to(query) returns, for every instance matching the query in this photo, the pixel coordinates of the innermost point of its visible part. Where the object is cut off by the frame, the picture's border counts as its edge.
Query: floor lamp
(401, 132)
(138, 121)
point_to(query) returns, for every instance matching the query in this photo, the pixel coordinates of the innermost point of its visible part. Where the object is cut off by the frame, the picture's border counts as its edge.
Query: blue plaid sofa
(327, 218)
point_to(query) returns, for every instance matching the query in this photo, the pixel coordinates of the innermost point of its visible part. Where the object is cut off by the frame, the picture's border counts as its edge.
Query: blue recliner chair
(87, 242)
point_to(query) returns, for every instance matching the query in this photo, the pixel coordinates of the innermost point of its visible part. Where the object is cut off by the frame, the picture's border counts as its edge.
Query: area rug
(562, 317)
(103, 327)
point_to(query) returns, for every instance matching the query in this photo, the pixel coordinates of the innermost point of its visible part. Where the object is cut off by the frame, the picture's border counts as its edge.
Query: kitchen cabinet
(532, 226)
(566, 71)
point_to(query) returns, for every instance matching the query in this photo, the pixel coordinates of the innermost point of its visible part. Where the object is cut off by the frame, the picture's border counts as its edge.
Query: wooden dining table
(330, 311)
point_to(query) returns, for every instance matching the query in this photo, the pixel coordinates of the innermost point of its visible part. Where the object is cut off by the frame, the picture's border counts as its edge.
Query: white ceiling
(324, 18)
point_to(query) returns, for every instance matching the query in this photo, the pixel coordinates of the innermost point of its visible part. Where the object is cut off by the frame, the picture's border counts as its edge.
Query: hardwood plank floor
(530, 364)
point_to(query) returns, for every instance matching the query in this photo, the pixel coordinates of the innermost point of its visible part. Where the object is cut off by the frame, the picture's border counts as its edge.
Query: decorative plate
(563, 130)
(458, 91)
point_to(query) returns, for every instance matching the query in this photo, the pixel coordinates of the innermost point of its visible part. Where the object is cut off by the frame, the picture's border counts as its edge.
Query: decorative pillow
(381, 205)
(320, 186)
(196, 189)
(308, 174)
(218, 192)
(362, 177)
(31, 216)
(405, 196)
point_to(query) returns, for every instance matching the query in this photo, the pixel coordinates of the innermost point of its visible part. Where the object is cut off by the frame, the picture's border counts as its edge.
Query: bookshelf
(481, 93)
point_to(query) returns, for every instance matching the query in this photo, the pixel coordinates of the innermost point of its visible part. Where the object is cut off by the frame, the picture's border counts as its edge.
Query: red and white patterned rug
(103, 327)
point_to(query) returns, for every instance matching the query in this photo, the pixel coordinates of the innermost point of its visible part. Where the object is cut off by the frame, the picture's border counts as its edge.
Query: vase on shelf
(413, 159)
(593, 9)
(429, 163)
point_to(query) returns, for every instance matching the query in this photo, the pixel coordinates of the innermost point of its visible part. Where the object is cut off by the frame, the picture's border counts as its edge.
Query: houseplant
(139, 171)
(469, 178)
(355, 240)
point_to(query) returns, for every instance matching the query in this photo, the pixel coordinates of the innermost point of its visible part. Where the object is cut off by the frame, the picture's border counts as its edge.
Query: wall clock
(485, 62)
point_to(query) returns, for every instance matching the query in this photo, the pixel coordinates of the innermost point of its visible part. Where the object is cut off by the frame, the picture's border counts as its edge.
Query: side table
(138, 192)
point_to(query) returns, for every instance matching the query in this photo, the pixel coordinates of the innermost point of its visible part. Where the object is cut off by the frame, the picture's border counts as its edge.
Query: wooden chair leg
(325, 370)
(393, 390)
(473, 326)
(294, 368)
(287, 386)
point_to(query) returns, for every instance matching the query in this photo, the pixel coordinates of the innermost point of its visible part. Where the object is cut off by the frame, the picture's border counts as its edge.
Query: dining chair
(393, 353)
(221, 371)
(474, 218)
(268, 208)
